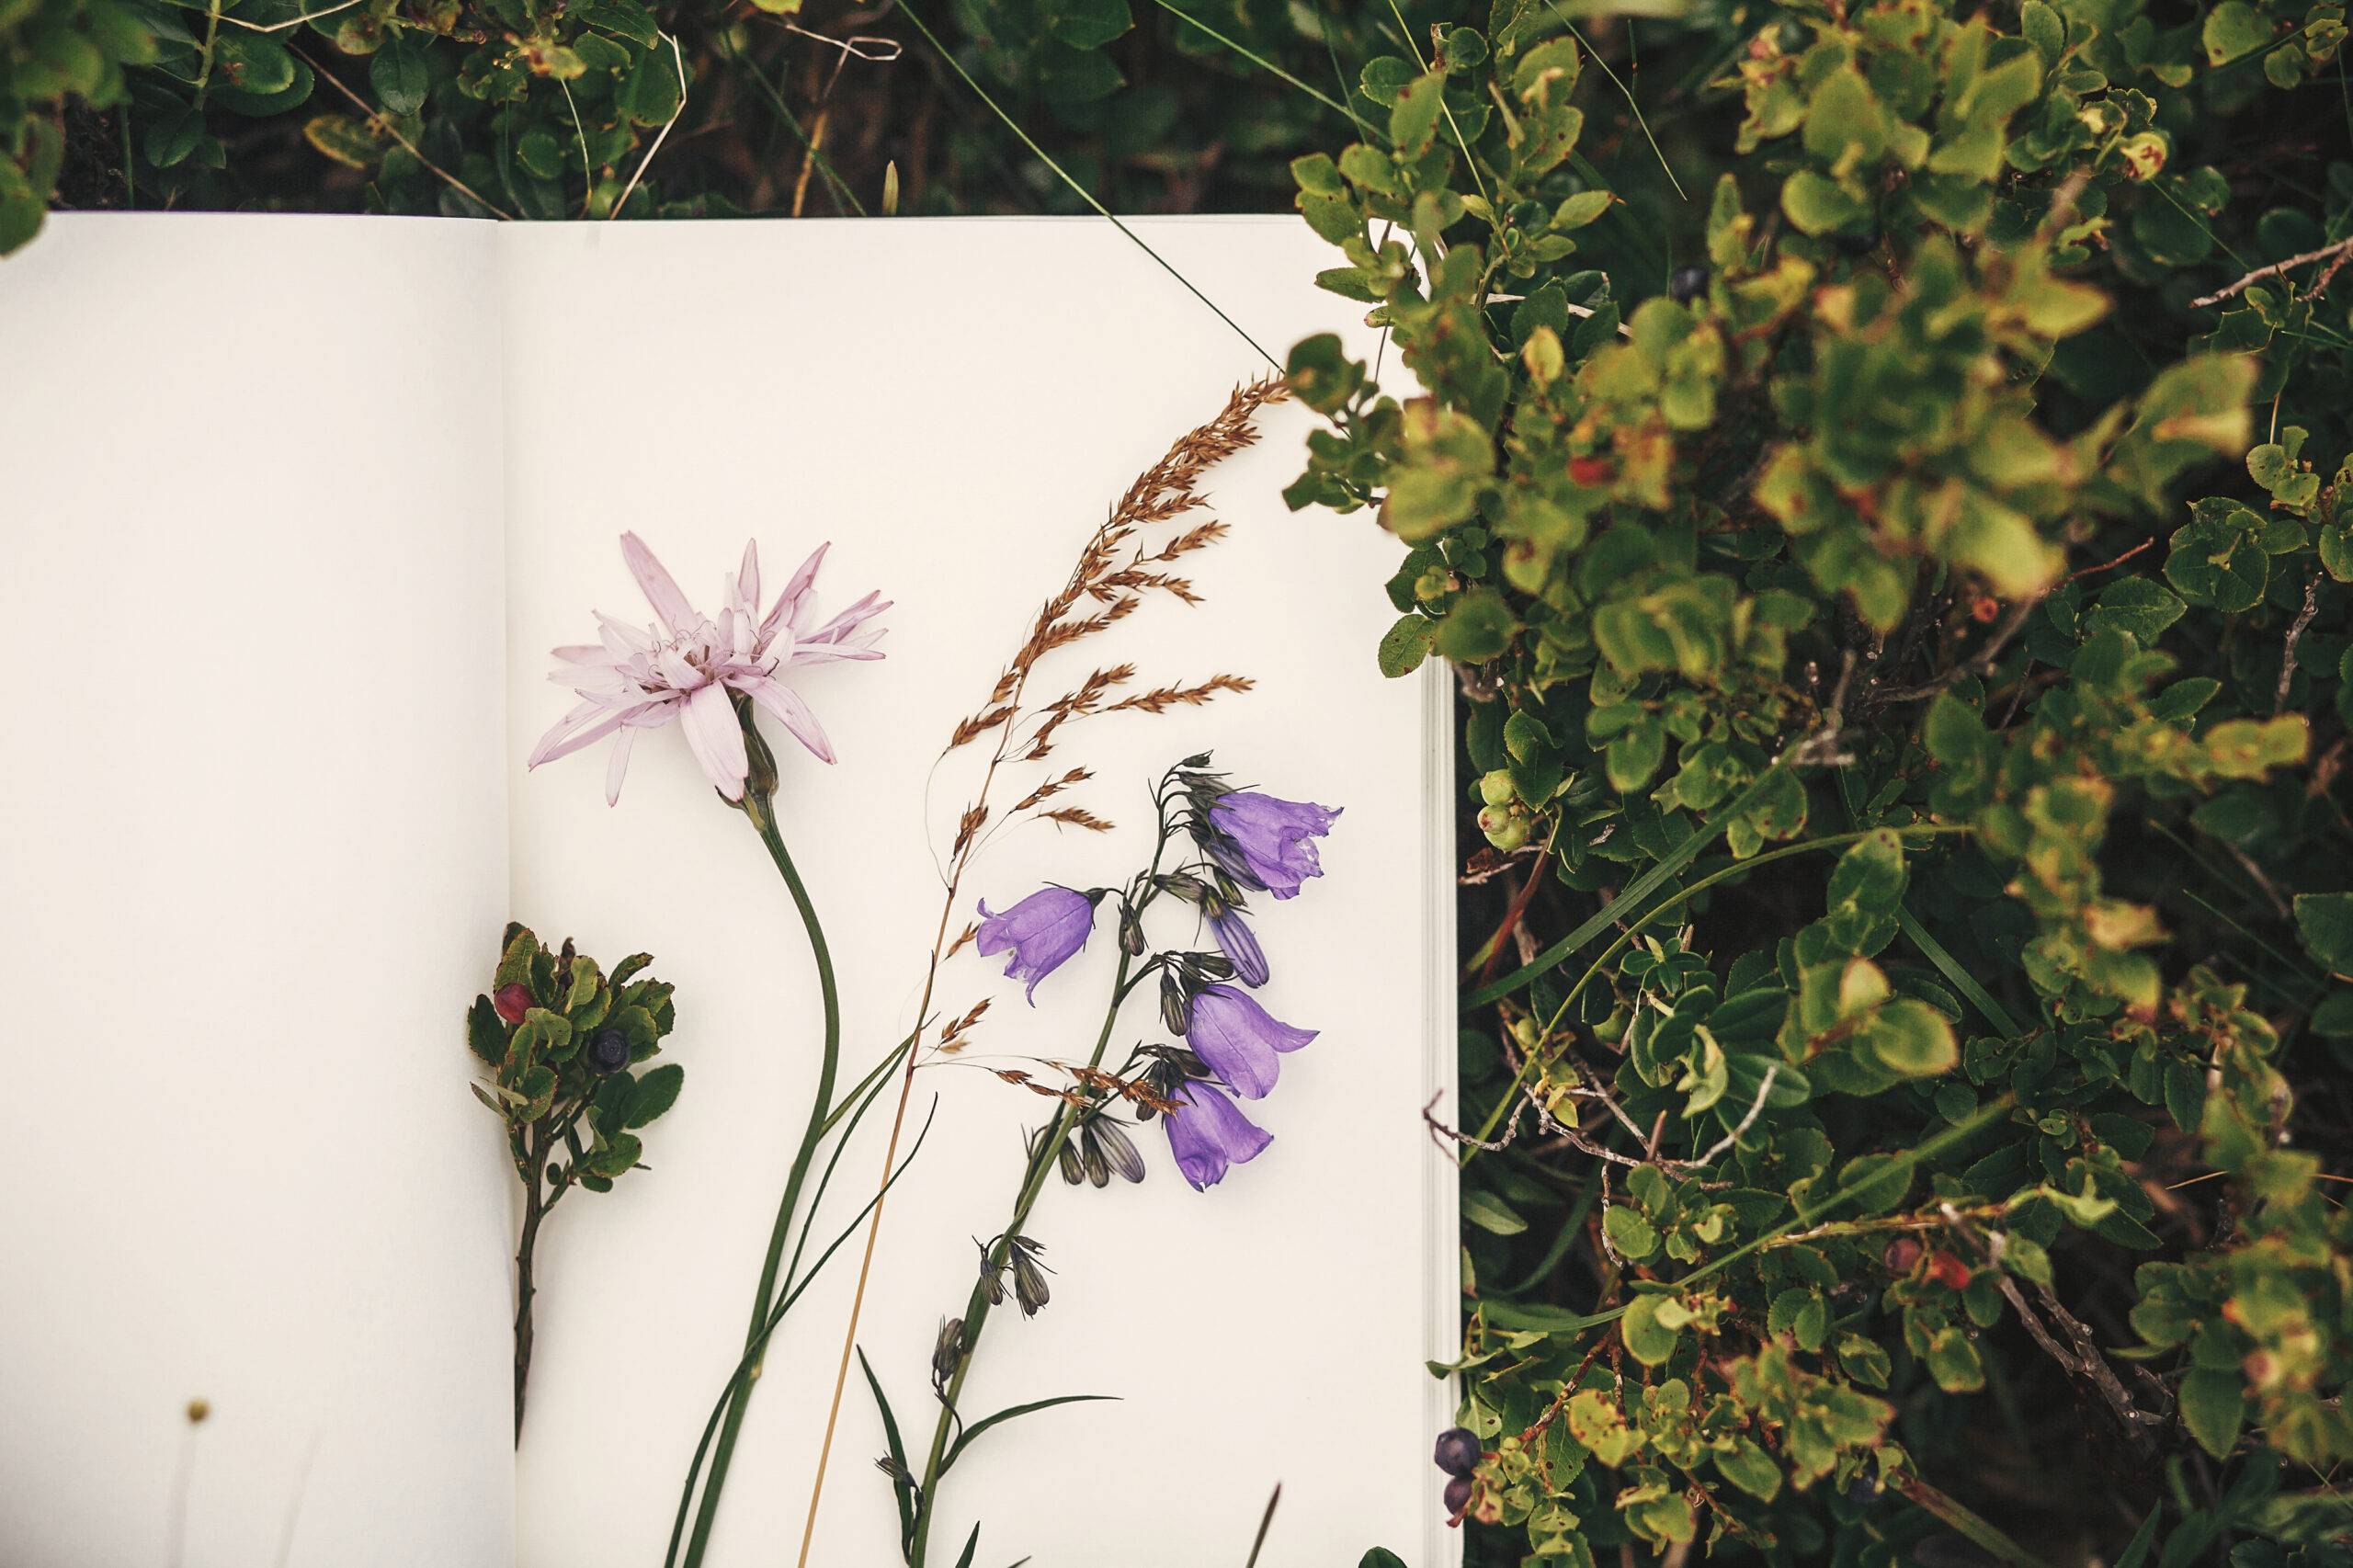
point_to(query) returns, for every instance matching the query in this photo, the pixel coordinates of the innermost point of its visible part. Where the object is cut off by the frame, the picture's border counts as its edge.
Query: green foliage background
(1886, 508)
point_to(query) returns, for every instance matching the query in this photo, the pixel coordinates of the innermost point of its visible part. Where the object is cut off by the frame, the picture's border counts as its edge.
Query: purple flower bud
(1207, 1133)
(1239, 1039)
(1042, 932)
(1241, 945)
(1270, 839)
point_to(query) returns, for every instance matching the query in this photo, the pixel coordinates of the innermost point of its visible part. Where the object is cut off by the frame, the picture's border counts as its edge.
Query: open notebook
(293, 509)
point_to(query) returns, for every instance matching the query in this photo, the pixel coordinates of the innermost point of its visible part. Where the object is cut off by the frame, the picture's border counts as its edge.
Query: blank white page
(252, 848)
(955, 405)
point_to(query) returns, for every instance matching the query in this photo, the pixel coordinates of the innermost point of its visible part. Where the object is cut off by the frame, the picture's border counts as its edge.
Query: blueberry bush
(1898, 576)
(1880, 474)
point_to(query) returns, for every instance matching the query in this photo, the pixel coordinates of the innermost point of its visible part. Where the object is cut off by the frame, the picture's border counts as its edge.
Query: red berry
(1900, 1254)
(512, 1002)
(1592, 471)
(1948, 1271)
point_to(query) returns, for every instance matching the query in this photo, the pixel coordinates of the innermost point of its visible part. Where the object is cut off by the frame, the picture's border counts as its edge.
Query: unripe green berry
(1496, 788)
(1506, 830)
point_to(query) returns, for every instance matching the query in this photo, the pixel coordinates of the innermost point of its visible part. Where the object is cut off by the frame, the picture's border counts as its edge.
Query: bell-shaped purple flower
(1239, 1039)
(1042, 932)
(1207, 1133)
(1271, 837)
(1240, 943)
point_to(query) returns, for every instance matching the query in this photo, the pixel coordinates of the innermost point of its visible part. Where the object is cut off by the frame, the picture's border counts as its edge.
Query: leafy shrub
(584, 109)
(1959, 796)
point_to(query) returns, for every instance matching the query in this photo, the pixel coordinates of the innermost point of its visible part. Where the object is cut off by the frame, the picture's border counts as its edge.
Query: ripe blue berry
(1458, 1451)
(1457, 1495)
(608, 1050)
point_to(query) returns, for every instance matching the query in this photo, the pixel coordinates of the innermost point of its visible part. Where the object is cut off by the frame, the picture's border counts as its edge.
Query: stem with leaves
(1045, 1153)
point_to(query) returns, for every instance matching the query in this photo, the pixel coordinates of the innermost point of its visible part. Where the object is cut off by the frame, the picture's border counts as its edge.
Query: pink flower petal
(793, 714)
(717, 739)
(788, 603)
(556, 744)
(863, 610)
(748, 577)
(660, 589)
(618, 765)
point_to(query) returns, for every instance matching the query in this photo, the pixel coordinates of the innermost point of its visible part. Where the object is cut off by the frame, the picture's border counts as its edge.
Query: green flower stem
(1124, 980)
(760, 808)
(976, 1308)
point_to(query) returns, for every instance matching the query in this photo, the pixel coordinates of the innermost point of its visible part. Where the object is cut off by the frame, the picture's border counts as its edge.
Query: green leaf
(400, 73)
(487, 1031)
(2233, 29)
(2325, 921)
(1406, 644)
(1877, 1182)
(256, 63)
(1412, 121)
(902, 1482)
(1913, 1037)
(2214, 1406)
(1489, 1213)
(654, 1092)
(1086, 24)
(985, 1422)
(1478, 629)
(1750, 1467)
(1953, 1362)
(2139, 606)
(1647, 1340)
(1817, 205)
(1634, 1237)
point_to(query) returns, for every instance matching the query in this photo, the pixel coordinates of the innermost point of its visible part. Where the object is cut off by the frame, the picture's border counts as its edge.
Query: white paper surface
(956, 407)
(252, 842)
(294, 508)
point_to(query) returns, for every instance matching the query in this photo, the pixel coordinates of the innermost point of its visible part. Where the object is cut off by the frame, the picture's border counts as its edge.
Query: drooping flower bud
(947, 1351)
(1175, 1008)
(1116, 1151)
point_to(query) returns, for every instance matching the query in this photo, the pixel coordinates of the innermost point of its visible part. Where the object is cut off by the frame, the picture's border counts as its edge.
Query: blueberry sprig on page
(565, 1041)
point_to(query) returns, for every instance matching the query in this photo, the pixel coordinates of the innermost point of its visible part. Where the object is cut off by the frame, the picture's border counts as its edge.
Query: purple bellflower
(1042, 932)
(1209, 1132)
(1239, 1039)
(1267, 840)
